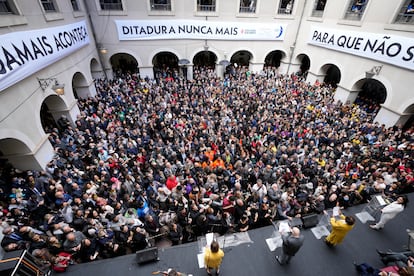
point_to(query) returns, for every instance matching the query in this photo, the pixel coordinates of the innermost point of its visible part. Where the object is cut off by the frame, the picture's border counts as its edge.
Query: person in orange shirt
(218, 163)
(210, 154)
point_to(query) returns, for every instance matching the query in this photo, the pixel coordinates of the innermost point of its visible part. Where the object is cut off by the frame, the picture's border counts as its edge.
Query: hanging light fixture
(374, 71)
(57, 87)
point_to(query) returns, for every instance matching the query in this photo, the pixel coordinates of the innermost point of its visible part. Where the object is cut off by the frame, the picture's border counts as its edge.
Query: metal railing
(111, 6)
(247, 9)
(284, 11)
(208, 8)
(161, 7)
(353, 15)
(405, 18)
(49, 6)
(317, 13)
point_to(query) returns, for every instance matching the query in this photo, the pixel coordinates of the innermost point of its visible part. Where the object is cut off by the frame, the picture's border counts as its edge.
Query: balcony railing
(284, 11)
(405, 18)
(353, 15)
(160, 7)
(206, 8)
(49, 6)
(247, 9)
(317, 13)
(111, 6)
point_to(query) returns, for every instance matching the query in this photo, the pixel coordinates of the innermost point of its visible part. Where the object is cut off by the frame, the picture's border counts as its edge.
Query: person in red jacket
(171, 182)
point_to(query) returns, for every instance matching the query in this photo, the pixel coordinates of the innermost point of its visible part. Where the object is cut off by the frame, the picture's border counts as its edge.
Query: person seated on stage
(406, 269)
(173, 272)
(400, 258)
(170, 272)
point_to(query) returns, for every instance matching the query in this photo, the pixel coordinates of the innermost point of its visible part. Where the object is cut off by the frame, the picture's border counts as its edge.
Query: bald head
(295, 232)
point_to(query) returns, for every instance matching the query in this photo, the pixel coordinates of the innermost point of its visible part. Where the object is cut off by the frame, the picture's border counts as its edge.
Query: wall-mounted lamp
(373, 71)
(57, 87)
(102, 49)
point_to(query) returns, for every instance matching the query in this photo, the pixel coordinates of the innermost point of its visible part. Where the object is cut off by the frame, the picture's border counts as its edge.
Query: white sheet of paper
(381, 200)
(209, 238)
(200, 258)
(335, 211)
(284, 227)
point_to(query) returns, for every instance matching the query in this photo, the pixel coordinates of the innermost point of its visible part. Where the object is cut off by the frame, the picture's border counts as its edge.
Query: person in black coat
(292, 242)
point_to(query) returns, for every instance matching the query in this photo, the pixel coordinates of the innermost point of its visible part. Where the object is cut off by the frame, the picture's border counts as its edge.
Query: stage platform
(250, 254)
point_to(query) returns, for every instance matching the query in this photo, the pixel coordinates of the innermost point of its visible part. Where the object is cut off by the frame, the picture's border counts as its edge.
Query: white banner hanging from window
(388, 48)
(24, 53)
(197, 29)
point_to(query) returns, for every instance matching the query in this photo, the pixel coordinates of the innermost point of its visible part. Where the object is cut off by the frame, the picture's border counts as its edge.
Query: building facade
(350, 44)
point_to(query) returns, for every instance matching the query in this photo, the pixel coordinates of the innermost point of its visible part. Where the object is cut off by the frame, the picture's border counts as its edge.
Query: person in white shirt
(259, 188)
(391, 211)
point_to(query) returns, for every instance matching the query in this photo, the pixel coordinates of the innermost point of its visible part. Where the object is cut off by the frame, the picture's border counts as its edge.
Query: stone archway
(18, 154)
(304, 65)
(332, 74)
(273, 59)
(165, 65)
(80, 86)
(205, 59)
(51, 110)
(407, 122)
(96, 69)
(123, 63)
(241, 58)
(371, 94)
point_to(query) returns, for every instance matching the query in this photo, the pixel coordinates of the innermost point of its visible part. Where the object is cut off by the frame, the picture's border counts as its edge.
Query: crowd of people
(162, 161)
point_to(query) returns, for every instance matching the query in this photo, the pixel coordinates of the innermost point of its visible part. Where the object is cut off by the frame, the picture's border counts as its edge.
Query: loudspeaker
(147, 255)
(310, 220)
(296, 222)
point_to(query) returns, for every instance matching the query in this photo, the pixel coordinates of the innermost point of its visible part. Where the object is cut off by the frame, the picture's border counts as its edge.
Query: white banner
(196, 29)
(24, 53)
(388, 48)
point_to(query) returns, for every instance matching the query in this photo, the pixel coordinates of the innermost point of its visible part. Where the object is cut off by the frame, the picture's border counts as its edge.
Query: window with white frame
(247, 6)
(49, 5)
(318, 8)
(285, 6)
(406, 13)
(206, 5)
(75, 5)
(356, 9)
(111, 5)
(160, 5)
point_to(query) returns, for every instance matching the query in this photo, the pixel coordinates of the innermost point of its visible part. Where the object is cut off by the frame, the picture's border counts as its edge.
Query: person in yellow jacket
(213, 257)
(340, 228)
